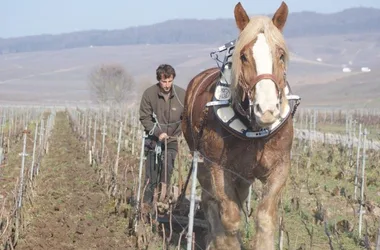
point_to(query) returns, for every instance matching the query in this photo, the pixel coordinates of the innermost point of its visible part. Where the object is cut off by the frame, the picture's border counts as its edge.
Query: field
(69, 171)
(81, 192)
(60, 77)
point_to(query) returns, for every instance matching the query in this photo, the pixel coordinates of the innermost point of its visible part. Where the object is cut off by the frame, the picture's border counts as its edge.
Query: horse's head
(259, 65)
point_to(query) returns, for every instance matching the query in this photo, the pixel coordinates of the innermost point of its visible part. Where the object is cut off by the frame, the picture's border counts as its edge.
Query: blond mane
(275, 39)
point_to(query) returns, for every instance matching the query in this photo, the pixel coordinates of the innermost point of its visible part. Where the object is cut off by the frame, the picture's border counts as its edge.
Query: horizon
(71, 16)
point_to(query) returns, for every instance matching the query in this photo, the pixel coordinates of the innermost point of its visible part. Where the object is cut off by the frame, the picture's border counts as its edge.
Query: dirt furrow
(70, 210)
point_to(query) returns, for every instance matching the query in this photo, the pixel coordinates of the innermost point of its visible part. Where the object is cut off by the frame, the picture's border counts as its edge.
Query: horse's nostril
(277, 106)
(258, 109)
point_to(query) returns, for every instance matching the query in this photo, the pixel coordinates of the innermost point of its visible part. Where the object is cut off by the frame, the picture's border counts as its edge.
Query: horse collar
(232, 122)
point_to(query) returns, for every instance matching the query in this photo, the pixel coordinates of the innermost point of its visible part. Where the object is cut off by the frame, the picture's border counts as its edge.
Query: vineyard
(70, 180)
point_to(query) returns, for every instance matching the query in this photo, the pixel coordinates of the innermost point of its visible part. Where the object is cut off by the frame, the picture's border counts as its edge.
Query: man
(160, 114)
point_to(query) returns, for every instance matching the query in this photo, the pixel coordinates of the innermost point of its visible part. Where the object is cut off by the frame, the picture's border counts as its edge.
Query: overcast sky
(32, 17)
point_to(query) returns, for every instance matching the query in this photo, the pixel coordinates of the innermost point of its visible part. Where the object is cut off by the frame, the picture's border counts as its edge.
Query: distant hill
(192, 31)
(354, 90)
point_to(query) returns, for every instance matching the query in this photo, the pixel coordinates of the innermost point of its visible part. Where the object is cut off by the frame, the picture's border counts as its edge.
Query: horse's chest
(250, 162)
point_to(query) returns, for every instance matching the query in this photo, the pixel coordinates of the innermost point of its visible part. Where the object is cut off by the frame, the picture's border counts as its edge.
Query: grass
(317, 203)
(319, 196)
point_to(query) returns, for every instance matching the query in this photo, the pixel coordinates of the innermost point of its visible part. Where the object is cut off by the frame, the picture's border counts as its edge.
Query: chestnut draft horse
(239, 118)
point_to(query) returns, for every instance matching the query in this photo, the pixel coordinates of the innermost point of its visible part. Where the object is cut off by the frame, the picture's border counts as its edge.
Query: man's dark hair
(166, 70)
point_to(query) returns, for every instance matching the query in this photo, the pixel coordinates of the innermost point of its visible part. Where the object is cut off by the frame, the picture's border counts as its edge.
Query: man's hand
(162, 136)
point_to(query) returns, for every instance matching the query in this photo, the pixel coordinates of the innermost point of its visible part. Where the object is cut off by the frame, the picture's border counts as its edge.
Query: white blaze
(266, 92)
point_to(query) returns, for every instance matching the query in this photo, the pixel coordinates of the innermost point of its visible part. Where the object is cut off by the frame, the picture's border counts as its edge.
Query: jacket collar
(161, 94)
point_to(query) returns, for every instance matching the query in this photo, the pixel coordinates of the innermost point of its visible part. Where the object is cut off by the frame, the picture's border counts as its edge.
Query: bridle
(248, 89)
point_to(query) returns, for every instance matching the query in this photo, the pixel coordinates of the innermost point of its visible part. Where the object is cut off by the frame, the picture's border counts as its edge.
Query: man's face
(166, 83)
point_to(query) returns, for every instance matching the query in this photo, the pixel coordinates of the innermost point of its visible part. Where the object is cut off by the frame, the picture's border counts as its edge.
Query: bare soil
(70, 209)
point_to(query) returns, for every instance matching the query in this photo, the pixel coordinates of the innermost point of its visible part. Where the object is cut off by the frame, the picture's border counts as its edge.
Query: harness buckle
(217, 103)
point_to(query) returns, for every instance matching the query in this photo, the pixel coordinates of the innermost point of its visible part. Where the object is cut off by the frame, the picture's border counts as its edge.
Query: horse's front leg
(223, 211)
(266, 212)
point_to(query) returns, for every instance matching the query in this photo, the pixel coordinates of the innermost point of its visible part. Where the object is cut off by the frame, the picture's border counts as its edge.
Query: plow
(179, 212)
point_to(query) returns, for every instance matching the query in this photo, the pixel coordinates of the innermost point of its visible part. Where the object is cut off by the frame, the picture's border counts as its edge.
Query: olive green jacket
(168, 113)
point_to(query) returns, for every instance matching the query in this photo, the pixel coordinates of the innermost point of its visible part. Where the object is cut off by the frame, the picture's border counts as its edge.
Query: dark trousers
(155, 173)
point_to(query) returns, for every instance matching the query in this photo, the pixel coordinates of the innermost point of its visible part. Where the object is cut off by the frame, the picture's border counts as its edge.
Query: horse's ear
(279, 18)
(241, 17)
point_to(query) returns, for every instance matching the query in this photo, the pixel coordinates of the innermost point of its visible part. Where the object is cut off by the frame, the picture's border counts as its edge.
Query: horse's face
(262, 60)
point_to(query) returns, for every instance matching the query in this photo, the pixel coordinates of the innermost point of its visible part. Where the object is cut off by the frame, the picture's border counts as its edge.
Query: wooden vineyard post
(23, 155)
(192, 201)
(142, 158)
(34, 152)
(357, 161)
(104, 132)
(378, 240)
(362, 183)
(95, 131)
(116, 167)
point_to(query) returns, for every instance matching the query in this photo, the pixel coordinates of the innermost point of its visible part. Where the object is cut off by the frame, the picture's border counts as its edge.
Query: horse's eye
(243, 57)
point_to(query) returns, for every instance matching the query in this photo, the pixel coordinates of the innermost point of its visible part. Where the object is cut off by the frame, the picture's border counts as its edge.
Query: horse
(238, 117)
